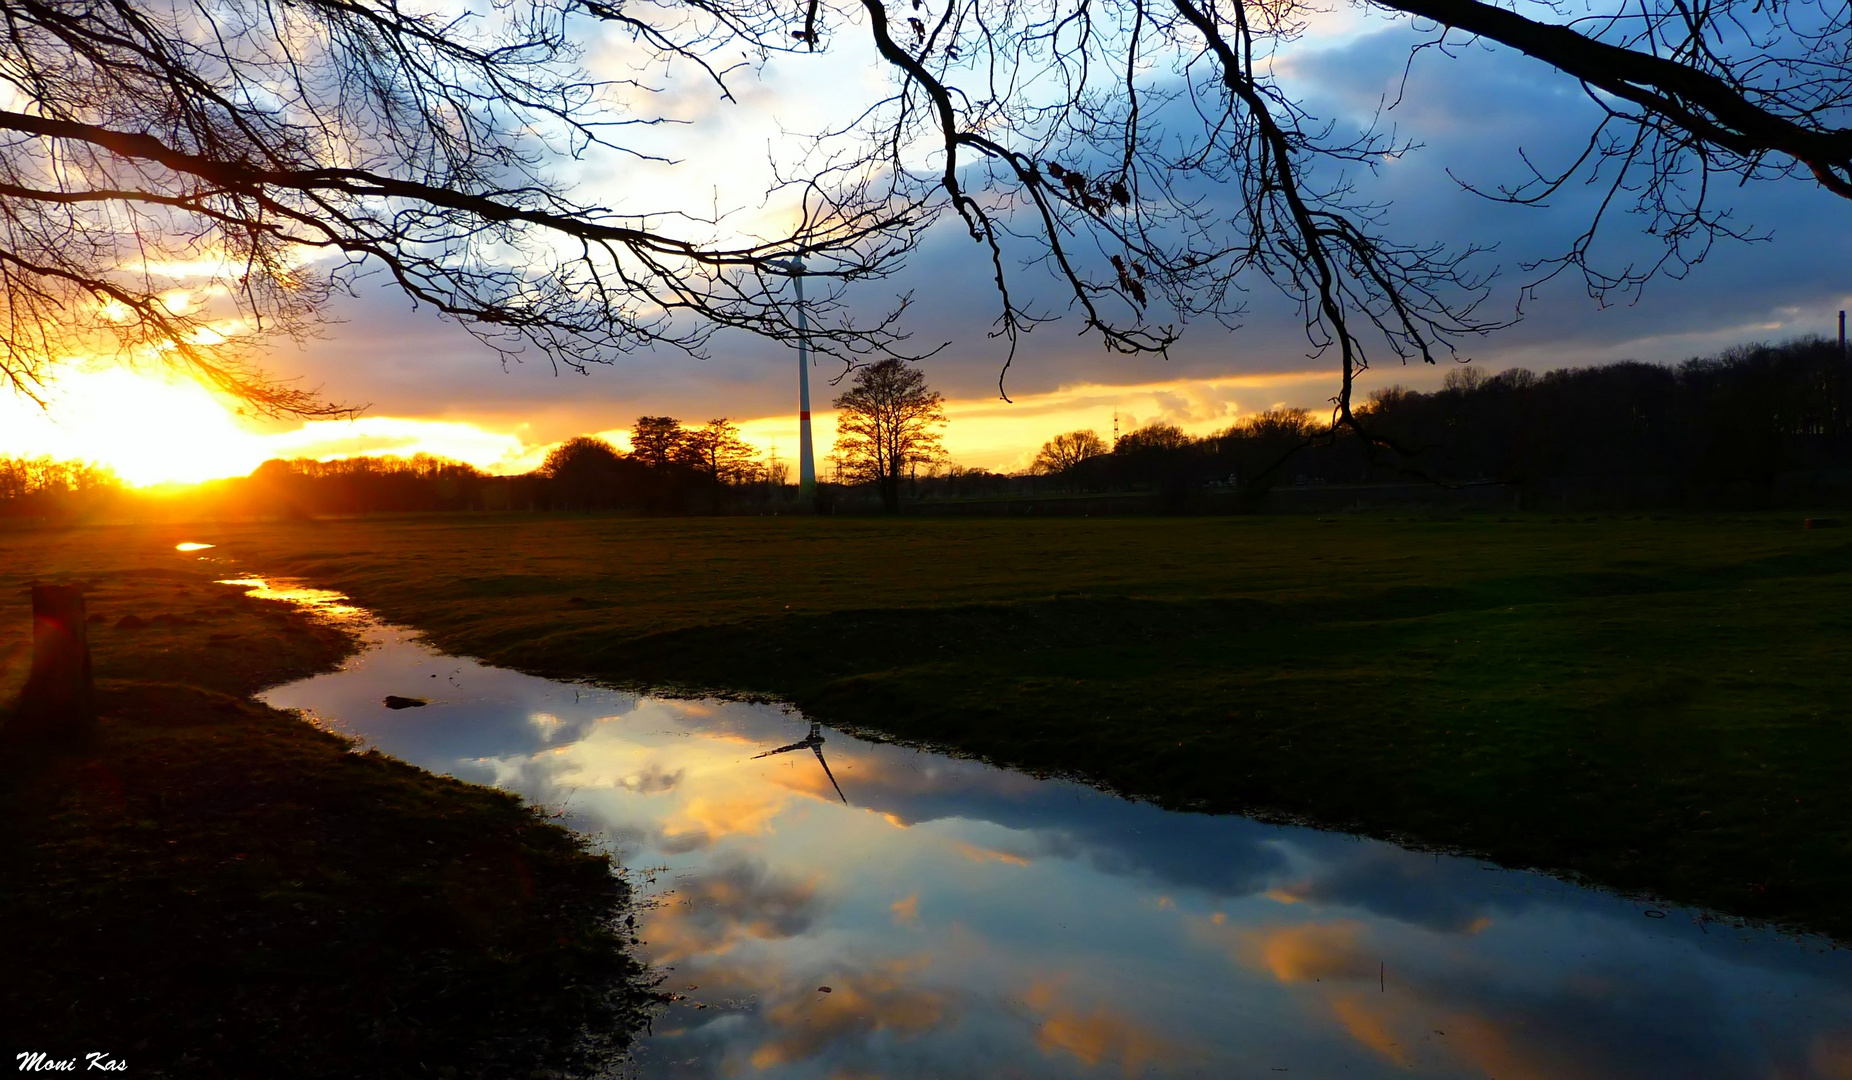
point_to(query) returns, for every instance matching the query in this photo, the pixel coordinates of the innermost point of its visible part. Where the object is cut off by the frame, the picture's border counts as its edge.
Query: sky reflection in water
(973, 921)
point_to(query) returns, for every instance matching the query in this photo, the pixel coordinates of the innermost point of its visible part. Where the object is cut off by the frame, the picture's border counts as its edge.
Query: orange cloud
(707, 818)
(858, 1005)
(1831, 1056)
(1392, 1026)
(1094, 1036)
(984, 854)
(1288, 894)
(673, 940)
(1310, 951)
(1369, 1025)
(1486, 1044)
(907, 911)
(733, 902)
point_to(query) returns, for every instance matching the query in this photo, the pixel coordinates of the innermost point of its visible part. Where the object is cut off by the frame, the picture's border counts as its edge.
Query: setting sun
(150, 430)
(147, 429)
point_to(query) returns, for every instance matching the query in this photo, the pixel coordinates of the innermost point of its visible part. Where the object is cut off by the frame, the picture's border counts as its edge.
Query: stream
(830, 907)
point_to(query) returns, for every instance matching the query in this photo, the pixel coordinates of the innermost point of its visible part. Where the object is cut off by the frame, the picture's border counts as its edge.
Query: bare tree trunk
(58, 701)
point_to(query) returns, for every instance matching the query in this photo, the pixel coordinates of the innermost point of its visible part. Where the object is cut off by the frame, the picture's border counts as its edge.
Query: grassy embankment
(1652, 704)
(211, 888)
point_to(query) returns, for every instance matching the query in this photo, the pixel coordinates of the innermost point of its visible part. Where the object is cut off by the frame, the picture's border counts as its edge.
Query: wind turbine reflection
(814, 741)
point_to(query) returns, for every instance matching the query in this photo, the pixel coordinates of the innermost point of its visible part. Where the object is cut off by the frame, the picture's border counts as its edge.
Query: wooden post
(58, 700)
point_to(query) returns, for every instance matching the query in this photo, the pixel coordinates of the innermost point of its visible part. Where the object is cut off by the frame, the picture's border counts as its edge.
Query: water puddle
(324, 602)
(903, 914)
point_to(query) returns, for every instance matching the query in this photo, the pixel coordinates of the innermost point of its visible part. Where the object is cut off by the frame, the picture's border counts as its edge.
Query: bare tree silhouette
(1147, 153)
(1143, 151)
(275, 150)
(887, 422)
(1067, 450)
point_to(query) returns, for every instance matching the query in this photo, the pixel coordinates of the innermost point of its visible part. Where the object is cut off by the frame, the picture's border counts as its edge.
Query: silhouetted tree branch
(1146, 154)
(177, 179)
(1142, 153)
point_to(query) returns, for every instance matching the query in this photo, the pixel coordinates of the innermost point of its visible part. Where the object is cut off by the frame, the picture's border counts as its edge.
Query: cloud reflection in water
(973, 921)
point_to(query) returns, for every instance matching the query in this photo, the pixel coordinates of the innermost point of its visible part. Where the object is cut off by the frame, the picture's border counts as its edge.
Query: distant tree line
(1735, 427)
(1745, 416)
(670, 468)
(46, 487)
(358, 485)
(1739, 428)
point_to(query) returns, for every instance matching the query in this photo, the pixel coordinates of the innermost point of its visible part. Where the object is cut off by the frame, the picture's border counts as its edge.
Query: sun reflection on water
(325, 602)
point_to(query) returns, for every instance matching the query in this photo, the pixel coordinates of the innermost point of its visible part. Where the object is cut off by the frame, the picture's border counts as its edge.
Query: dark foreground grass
(1651, 704)
(208, 887)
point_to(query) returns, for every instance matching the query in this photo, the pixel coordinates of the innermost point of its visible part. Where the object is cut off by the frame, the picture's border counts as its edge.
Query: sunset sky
(427, 386)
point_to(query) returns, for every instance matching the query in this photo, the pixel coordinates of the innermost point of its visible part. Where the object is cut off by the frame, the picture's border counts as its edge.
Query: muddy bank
(209, 887)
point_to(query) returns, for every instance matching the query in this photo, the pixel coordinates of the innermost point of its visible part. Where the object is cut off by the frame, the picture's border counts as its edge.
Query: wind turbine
(814, 741)
(806, 460)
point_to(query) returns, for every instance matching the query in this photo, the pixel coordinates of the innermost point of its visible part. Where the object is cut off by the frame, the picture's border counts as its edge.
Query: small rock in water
(823, 989)
(131, 622)
(394, 701)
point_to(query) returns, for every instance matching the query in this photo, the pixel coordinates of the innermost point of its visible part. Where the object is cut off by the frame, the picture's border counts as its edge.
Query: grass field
(210, 888)
(1653, 704)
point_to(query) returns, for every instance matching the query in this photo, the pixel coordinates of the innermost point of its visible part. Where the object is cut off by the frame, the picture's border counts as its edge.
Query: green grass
(1653, 704)
(207, 887)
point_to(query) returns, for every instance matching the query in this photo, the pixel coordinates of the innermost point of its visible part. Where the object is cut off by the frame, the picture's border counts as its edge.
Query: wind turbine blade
(828, 773)
(782, 750)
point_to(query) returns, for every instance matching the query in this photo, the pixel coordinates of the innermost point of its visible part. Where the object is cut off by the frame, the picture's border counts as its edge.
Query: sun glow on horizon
(152, 431)
(1004, 436)
(147, 429)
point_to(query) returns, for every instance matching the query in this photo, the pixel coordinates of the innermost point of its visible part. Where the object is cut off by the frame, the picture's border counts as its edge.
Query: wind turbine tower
(806, 459)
